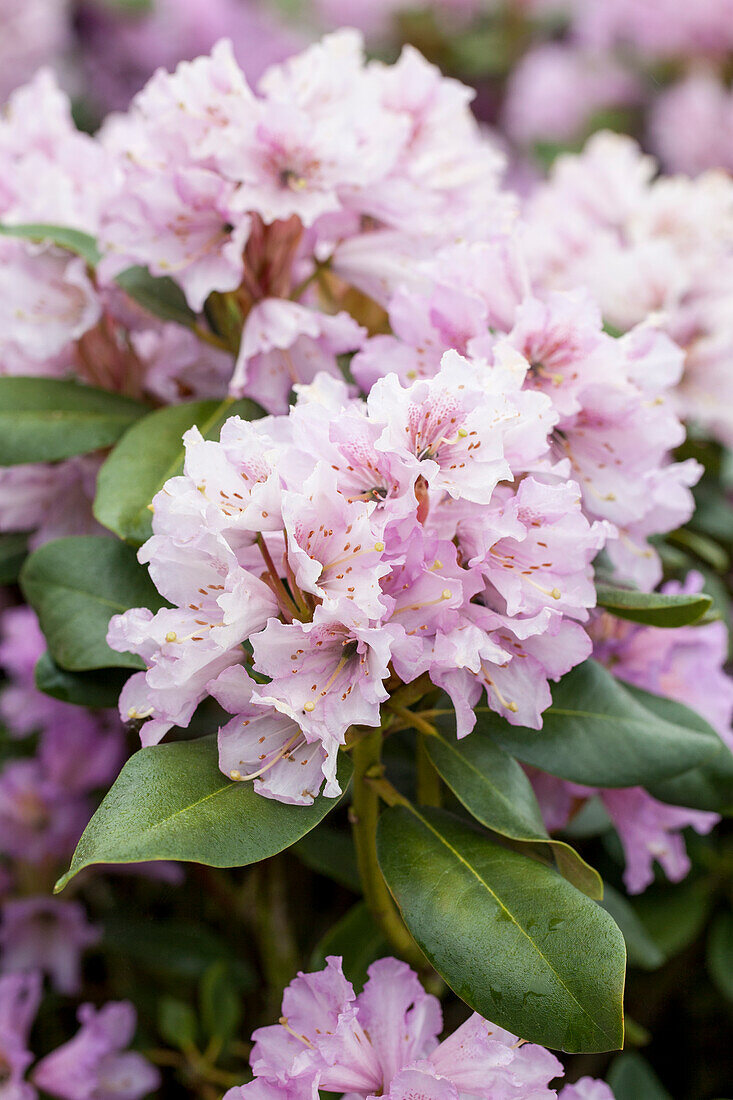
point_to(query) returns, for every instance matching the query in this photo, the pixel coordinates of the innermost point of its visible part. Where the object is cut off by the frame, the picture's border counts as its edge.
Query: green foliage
(653, 608)
(172, 802)
(86, 689)
(510, 936)
(720, 953)
(177, 1023)
(219, 998)
(631, 1078)
(641, 949)
(148, 455)
(46, 419)
(160, 296)
(674, 916)
(75, 585)
(496, 791)
(13, 550)
(71, 240)
(601, 733)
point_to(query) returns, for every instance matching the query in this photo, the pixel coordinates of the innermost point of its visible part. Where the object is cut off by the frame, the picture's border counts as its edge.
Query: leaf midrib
(511, 916)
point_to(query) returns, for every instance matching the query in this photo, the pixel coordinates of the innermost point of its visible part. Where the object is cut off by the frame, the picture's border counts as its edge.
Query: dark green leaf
(359, 942)
(46, 419)
(160, 296)
(75, 585)
(179, 948)
(720, 953)
(675, 916)
(653, 608)
(13, 550)
(707, 787)
(73, 240)
(85, 689)
(220, 1003)
(330, 852)
(597, 732)
(512, 938)
(177, 1023)
(148, 455)
(172, 802)
(631, 1078)
(641, 949)
(494, 788)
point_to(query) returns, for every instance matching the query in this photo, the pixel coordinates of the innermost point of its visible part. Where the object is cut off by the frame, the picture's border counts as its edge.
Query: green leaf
(73, 240)
(357, 939)
(183, 949)
(151, 453)
(597, 732)
(720, 953)
(653, 608)
(631, 1078)
(641, 949)
(172, 802)
(496, 791)
(46, 419)
(221, 1010)
(707, 787)
(330, 852)
(85, 689)
(511, 937)
(160, 296)
(177, 1023)
(675, 916)
(13, 551)
(75, 585)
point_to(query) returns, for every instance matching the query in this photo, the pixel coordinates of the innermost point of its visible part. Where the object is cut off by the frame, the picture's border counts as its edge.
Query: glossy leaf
(512, 938)
(72, 240)
(159, 295)
(75, 585)
(674, 916)
(330, 852)
(47, 419)
(653, 608)
(600, 733)
(172, 802)
(148, 455)
(631, 1078)
(13, 551)
(359, 942)
(85, 689)
(496, 791)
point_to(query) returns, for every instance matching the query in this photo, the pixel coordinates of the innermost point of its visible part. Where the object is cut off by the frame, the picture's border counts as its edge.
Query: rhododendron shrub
(375, 620)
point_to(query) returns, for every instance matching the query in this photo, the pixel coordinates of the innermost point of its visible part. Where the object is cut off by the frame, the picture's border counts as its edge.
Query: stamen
(278, 756)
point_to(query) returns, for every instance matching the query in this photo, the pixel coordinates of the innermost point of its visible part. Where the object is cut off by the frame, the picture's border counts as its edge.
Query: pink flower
(266, 745)
(326, 674)
(283, 345)
(384, 1042)
(95, 1062)
(43, 933)
(587, 1088)
(20, 996)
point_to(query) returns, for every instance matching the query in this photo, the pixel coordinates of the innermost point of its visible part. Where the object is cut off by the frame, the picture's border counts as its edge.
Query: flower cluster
(615, 422)
(353, 546)
(384, 1042)
(93, 1063)
(646, 246)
